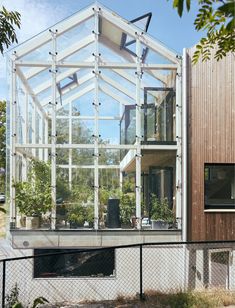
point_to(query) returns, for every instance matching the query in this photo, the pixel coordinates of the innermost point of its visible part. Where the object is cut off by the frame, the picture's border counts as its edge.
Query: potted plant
(127, 210)
(161, 215)
(76, 215)
(90, 215)
(33, 197)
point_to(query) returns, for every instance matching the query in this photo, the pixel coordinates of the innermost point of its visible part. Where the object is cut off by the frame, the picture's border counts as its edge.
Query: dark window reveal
(95, 263)
(219, 186)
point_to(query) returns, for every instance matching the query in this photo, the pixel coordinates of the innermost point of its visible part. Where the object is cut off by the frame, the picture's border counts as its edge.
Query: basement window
(219, 186)
(74, 263)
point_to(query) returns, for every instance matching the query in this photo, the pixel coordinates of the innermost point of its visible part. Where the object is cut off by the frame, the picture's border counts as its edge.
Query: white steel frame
(95, 63)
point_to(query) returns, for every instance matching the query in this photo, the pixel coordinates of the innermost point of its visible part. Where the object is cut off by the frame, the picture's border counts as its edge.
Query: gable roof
(112, 27)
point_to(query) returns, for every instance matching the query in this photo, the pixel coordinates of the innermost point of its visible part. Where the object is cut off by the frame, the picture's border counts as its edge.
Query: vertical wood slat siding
(211, 139)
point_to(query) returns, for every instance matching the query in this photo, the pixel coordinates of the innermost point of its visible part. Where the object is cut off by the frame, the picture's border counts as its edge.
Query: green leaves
(2, 209)
(39, 301)
(7, 31)
(179, 4)
(219, 24)
(33, 197)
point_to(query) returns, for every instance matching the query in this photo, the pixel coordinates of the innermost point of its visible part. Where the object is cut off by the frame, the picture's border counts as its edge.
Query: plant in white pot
(161, 214)
(33, 197)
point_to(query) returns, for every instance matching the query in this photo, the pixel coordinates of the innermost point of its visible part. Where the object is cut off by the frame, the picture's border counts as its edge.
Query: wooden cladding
(211, 139)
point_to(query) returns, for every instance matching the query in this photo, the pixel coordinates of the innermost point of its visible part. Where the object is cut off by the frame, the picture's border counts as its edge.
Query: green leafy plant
(127, 207)
(33, 197)
(90, 214)
(77, 214)
(217, 18)
(13, 297)
(38, 301)
(2, 209)
(7, 32)
(160, 209)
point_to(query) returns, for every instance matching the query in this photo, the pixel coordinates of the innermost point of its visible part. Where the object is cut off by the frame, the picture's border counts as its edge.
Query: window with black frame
(219, 186)
(74, 263)
(159, 115)
(161, 183)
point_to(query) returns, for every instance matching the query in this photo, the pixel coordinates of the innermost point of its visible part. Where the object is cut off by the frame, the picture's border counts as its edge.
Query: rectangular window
(74, 263)
(219, 268)
(159, 115)
(219, 186)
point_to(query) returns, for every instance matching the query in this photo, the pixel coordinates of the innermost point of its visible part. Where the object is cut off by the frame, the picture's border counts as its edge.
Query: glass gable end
(90, 114)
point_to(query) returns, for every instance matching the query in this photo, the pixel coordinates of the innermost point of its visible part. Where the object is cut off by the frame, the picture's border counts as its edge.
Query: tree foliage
(33, 197)
(217, 18)
(8, 21)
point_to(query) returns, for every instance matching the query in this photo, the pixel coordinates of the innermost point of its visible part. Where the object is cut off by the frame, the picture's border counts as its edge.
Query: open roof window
(67, 83)
(128, 43)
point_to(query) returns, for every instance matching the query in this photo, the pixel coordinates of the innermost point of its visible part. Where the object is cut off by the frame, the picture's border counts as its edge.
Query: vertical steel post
(40, 135)
(25, 138)
(34, 129)
(184, 151)
(96, 111)
(179, 145)
(141, 273)
(70, 142)
(13, 127)
(3, 282)
(45, 139)
(138, 132)
(53, 129)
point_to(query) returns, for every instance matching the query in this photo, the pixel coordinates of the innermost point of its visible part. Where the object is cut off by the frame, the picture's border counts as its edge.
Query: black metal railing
(77, 275)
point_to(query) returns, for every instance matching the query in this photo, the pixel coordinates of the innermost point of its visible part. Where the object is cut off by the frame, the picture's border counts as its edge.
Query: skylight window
(67, 83)
(127, 42)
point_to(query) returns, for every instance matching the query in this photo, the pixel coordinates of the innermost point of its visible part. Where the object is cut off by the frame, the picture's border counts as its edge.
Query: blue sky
(175, 32)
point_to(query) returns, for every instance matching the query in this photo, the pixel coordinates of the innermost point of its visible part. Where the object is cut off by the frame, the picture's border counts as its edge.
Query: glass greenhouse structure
(94, 126)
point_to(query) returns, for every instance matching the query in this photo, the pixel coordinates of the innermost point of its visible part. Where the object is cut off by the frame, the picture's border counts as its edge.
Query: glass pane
(112, 43)
(93, 264)
(109, 106)
(82, 131)
(62, 129)
(82, 156)
(63, 110)
(109, 179)
(109, 131)
(39, 54)
(109, 157)
(76, 91)
(153, 57)
(34, 185)
(159, 115)
(83, 184)
(43, 76)
(63, 197)
(82, 55)
(128, 125)
(63, 193)
(62, 156)
(75, 34)
(82, 106)
(220, 186)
